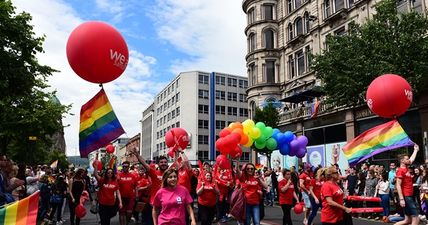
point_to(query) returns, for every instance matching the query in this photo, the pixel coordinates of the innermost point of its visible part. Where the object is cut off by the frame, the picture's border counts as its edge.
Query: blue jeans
(314, 209)
(252, 211)
(385, 203)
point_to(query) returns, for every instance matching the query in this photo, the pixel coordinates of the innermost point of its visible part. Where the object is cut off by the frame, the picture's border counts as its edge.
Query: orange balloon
(244, 139)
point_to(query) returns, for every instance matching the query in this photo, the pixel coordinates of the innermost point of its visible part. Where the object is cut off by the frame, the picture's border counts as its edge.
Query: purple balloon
(303, 141)
(294, 145)
(301, 152)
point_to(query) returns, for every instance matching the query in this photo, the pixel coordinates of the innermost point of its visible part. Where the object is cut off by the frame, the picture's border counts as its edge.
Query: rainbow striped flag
(378, 139)
(22, 212)
(98, 124)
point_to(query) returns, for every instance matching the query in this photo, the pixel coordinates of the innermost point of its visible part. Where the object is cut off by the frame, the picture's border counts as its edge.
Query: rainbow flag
(98, 124)
(378, 139)
(22, 212)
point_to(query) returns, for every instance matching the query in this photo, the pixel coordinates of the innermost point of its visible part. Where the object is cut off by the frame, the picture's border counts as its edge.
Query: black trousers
(106, 212)
(286, 212)
(73, 219)
(206, 214)
(337, 223)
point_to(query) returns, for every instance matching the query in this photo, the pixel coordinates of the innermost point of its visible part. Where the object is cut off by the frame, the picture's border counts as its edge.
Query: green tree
(26, 108)
(390, 42)
(270, 116)
(57, 155)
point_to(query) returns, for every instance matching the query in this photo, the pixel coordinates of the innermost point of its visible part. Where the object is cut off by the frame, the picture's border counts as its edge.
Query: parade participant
(304, 184)
(286, 195)
(107, 195)
(76, 187)
(127, 186)
(143, 190)
(315, 193)
(59, 191)
(252, 186)
(171, 201)
(154, 174)
(207, 193)
(224, 181)
(405, 189)
(332, 199)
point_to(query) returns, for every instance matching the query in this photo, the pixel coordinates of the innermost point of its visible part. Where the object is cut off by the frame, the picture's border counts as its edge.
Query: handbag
(56, 199)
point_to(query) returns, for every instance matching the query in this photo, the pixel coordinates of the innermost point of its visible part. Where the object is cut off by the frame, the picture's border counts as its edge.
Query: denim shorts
(410, 209)
(306, 200)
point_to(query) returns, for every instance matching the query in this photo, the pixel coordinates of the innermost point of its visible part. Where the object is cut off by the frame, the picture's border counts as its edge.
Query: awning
(306, 95)
(275, 104)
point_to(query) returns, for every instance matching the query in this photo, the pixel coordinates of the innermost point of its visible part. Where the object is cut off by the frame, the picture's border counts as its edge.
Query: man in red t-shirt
(304, 184)
(127, 187)
(404, 187)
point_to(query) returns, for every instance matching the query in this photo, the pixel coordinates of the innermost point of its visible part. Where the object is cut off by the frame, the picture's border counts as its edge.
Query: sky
(164, 38)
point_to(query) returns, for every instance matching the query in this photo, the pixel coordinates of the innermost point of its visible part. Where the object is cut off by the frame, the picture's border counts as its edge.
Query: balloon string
(101, 85)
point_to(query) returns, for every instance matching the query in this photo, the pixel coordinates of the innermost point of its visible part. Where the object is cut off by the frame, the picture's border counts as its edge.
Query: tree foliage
(270, 116)
(390, 42)
(26, 108)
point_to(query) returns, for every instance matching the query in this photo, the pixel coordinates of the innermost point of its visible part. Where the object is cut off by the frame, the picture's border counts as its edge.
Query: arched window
(252, 109)
(290, 31)
(327, 8)
(251, 16)
(252, 42)
(269, 39)
(307, 22)
(299, 26)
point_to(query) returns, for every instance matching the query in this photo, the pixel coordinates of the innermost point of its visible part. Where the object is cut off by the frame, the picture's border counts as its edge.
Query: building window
(307, 22)
(308, 58)
(177, 111)
(232, 111)
(173, 114)
(291, 68)
(243, 112)
(298, 3)
(327, 8)
(245, 156)
(177, 124)
(203, 155)
(416, 5)
(231, 96)
(341, 31)
(242, 98)
(270, 71)
(268, 12)
(203, 139)
(220, 80)
(243, 84)
(220, 109)
(203, 94)
(220, 124)
(300, 62)
(252, 42)
(299, 26)
(252, 74)
(289, 6)
(231, 82)
(203, 124)
(251, 16)
(177, 97)
(203, 79)
(220, 95)
(338, 5)
(269, 39)
(350, 3)
(290, 31)
(203, 109)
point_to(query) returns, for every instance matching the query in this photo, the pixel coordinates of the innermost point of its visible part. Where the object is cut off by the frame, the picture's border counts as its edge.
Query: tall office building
(201, 103)
(281, 34)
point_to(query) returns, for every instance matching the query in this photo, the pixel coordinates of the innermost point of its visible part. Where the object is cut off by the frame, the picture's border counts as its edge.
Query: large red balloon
(97, 52)
(177, 137)
(223, 162)
(298, 208)
(389, 96)
(109, 148)
(98, 164)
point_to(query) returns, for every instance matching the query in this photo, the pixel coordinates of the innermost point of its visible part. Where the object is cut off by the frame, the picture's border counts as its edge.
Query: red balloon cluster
(223, 162)
(97, 164)
(389, 96)
(298, 208)
(176, 139)
(110, 149)
(97, 52)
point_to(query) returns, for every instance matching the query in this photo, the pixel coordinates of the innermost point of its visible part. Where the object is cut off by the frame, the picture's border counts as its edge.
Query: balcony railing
(305, 112)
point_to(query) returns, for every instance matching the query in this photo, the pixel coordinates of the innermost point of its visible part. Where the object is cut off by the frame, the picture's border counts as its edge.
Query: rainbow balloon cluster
(260, 136)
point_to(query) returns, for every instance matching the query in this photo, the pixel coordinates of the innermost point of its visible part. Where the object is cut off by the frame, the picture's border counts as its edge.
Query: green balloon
(271, 144)
(261, 126)
(260, 145)
(261, 139)
(268, 132)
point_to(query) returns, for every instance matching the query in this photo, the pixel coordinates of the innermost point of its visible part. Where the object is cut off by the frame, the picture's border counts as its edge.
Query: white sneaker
(133, 219)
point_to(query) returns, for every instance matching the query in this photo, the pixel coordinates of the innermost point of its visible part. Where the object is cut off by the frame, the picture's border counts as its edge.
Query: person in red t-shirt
(127, 186)
(107, 195)
(252, 186)
(154, 174)
(405, 189)
(207, 197)
(315, 193)
(332, 199)
(286, 195)
(143, 194)
(304, 184)
(224, 181)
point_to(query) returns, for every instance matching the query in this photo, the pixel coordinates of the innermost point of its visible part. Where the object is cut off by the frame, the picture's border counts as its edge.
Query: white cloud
(210, 31)
(129, 94)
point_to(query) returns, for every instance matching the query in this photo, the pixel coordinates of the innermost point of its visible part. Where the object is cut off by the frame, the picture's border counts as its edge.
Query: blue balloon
(275, 131)
(289, 136)
(284, 149)
(281, 138)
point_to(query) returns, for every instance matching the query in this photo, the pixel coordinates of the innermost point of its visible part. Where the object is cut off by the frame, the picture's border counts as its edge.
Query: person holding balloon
(252, 186)
(305, 185)
(207, 192)
(315, 193)
(224, 181)
(332, 212)
(286, 195)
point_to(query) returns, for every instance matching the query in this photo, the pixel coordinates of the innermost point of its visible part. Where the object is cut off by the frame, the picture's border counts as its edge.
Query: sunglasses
(109, 172)
(250, 169)
(125, 166)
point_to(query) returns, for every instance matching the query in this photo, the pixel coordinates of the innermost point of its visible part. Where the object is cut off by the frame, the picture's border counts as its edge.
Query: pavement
(273, 216)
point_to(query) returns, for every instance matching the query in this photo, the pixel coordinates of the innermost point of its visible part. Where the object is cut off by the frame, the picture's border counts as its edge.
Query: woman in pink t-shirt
(171, 202)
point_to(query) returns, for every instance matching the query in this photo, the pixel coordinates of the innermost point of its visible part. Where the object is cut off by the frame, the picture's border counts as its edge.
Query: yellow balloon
(255, 133)
(249, 143)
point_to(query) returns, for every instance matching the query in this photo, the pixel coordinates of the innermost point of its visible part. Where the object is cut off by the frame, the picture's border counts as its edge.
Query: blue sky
(164, 37)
